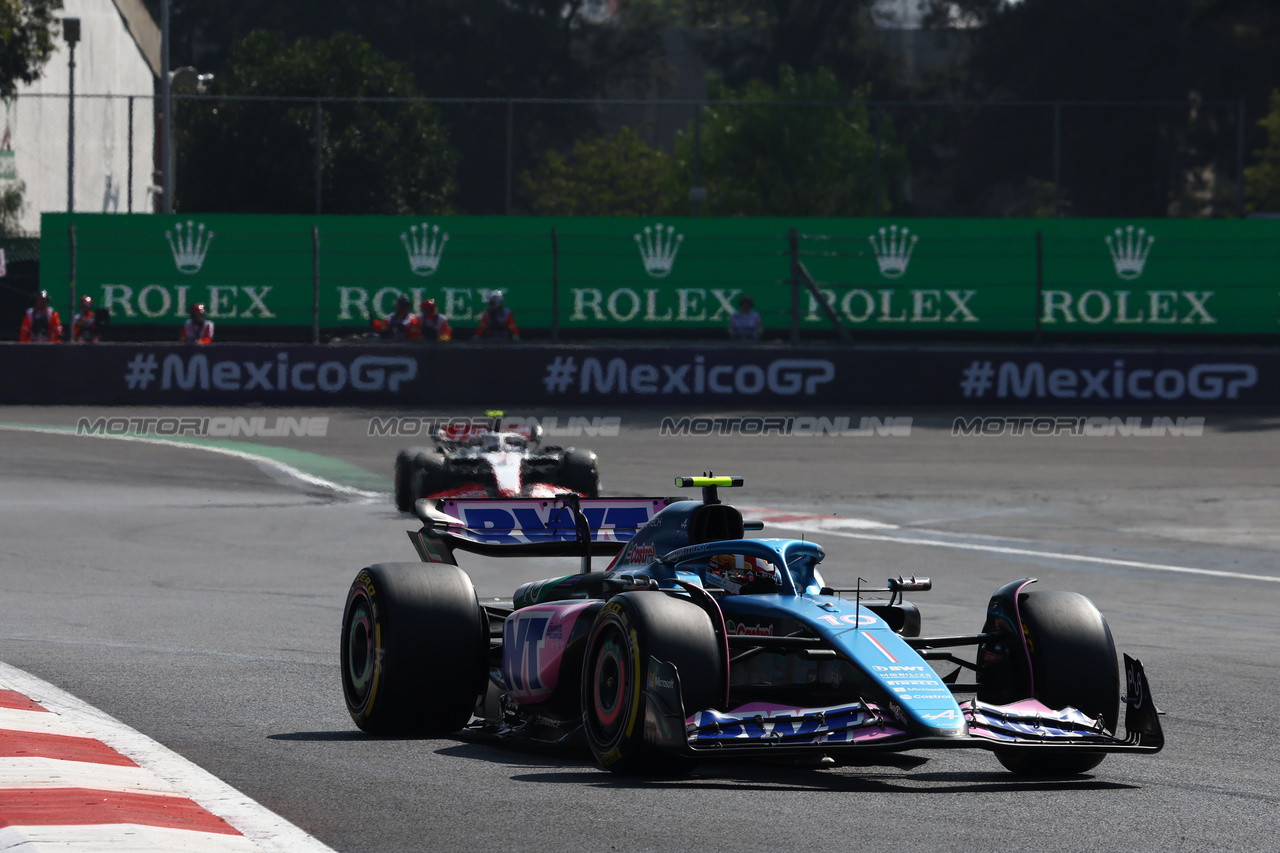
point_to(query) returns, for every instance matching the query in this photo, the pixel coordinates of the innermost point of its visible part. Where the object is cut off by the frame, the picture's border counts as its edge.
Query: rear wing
(564, 526)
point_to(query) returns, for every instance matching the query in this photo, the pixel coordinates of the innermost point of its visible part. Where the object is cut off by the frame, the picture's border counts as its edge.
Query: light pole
(166, 104)
(71, 33)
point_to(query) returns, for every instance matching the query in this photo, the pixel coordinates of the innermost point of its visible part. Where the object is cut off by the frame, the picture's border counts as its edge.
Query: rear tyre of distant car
(405, 471)
(414, 649)
(1073, 663)
(580, 472)
(629, 630)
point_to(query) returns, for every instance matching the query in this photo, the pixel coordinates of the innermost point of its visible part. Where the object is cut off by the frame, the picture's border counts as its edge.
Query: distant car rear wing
(564, 526)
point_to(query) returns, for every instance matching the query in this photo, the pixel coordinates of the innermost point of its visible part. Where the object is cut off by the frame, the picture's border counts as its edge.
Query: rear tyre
(1073, 662)
(630, 629)
(431, 476)
(414, 649)
(404, 474)
(580, 472)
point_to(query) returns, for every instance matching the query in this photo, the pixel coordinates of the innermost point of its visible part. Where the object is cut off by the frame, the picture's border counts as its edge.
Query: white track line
(263, 830)
(813, 527)
(118, 838)
(280, 467)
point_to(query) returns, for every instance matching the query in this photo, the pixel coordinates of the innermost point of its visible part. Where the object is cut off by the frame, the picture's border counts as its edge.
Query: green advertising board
(924, 274)
(909, 275)
(1161, 276)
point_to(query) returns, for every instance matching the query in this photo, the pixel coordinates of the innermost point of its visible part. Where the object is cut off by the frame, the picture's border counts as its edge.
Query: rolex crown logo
(658, 249)
(1129, 250)
(424, 249)
(189, 247)
(893, 250)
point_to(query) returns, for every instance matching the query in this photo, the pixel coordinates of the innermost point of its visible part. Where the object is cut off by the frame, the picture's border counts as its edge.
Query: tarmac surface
(197, 597)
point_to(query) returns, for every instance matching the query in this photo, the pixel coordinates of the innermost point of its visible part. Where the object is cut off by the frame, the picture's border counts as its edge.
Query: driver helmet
(738, 574)
(428, 307)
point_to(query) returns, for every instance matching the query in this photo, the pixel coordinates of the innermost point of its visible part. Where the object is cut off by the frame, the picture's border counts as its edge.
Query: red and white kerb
(64, 787)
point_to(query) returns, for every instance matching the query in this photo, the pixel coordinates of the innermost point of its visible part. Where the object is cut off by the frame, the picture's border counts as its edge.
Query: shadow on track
(733, 775)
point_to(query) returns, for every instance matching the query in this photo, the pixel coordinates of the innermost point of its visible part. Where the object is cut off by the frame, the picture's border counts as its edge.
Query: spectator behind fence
(497, 323)
(745, 323)
(432, 325)
(401, 325)
(41, 323)
(197, 330)
(84, 325)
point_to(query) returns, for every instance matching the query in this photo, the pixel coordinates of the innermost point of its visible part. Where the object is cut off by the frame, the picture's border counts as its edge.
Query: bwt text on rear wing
(565, 526)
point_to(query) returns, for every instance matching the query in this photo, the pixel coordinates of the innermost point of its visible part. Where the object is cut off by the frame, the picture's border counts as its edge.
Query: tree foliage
(28, 35)
(607, 175)
(259, 156)
(770, 151)
(1262, 179)
(749, 40)
(11, 204)
(802, 148)
(455, 49)
(1119, 159)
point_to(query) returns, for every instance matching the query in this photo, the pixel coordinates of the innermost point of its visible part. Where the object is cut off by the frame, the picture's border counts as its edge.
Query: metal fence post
(129, 192)
(1057, 158)
(697, 190)
(511, 111)
(1240, 130)
(875, 205)
(315, 284)
(795, 286)
(1039, 281)
(319, 155)
(71, 131)
(555, 284)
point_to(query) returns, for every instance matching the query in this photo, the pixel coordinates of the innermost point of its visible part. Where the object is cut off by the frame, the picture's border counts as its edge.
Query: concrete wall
(108, 62)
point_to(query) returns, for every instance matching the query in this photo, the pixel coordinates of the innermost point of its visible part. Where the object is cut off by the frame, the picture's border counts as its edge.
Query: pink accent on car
(533, 644)
(1022, 635)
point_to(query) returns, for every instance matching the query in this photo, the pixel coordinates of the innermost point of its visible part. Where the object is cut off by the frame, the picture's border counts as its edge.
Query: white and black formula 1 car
(472, 460)
(698, 643)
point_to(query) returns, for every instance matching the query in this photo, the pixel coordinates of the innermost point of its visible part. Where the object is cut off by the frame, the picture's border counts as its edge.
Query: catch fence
(257, 154)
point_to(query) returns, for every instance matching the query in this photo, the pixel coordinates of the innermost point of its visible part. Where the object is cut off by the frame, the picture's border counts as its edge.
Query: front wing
(765, 728)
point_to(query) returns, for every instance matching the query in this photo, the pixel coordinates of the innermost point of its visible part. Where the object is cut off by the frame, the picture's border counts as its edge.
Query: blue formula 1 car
(696, 642)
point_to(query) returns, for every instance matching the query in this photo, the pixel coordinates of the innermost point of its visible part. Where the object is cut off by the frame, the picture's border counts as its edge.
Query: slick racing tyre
(405, 474)
(580, 472)
(630, 629)
(431, 475)
(1073, 662)
(414, 649)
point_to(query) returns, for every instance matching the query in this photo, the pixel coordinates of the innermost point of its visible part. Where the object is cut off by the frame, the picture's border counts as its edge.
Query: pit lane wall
(559, 377)
(971, 277)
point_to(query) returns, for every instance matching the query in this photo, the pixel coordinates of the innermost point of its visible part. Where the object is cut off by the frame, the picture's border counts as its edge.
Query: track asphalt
(195, 596)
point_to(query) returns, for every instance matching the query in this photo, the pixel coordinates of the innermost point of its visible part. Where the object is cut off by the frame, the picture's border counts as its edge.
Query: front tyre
(414, 649)
(631, 628)
(1073, 663)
